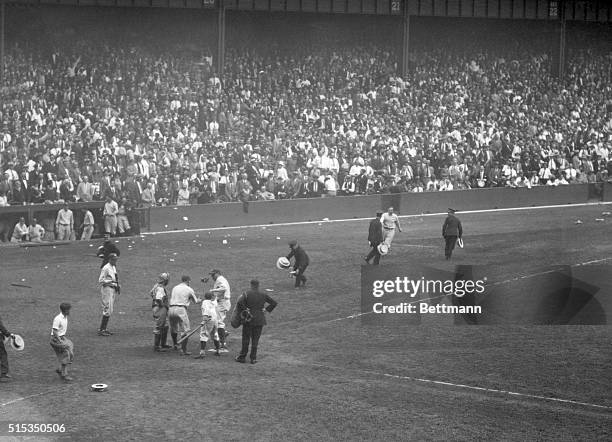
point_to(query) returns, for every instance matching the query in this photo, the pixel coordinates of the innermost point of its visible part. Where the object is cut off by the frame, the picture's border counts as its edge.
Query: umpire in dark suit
(301, 262)
(375, 237)
(255, 301)
(451, 230)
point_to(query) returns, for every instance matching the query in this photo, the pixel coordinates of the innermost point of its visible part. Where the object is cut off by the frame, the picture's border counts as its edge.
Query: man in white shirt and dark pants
(109, 280)
(63, 347)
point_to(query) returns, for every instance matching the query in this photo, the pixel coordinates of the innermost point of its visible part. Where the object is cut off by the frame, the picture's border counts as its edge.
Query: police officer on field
(254, 300)
(451, 230)
(375, 237)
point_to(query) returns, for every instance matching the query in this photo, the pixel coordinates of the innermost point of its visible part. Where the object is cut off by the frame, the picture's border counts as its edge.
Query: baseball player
(209, 325)
(109, 281)
(301, 262)
(390, 222)
(160, 307)
(63, 347)
(221, 290)
(110, 215)
(451, 230)
(106, 249)
(87, 225)
(180, 298)
(64, 223)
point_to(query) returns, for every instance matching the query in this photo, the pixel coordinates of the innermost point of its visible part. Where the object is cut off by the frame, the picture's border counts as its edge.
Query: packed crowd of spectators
(158, 126)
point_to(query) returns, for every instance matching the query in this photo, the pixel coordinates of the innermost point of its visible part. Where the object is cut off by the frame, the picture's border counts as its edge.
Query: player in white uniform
(63, 347)
(390, 222)
(221, 290)
(109, 280)
(182, 295)
(209, 324)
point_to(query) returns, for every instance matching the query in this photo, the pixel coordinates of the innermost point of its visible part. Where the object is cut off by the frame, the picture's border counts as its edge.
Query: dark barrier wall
(160, 219)
(274, 212)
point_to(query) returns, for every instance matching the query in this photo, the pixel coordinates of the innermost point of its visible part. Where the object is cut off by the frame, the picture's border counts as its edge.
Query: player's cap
(451, 210)
(292, 243)
(379, 214)
(65, 306)
(254, 283)
(215, 272)
(113, 255)
(185, 278)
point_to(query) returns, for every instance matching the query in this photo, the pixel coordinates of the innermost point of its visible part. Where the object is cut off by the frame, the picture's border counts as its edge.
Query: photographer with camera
(251, 306)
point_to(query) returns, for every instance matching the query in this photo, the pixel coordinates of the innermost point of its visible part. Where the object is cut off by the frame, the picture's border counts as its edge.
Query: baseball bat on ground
(15, 284)
(189, 334)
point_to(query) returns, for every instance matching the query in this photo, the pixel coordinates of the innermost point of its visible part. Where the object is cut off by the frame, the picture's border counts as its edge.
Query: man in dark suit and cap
(451, 230)
(375, 237)
(255, 301)
(301, 262)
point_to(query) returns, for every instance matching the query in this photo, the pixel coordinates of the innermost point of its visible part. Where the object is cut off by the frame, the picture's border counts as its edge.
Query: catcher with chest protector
(160, 307)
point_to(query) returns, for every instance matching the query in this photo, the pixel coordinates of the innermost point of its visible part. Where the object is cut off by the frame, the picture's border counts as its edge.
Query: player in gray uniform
(160, 307)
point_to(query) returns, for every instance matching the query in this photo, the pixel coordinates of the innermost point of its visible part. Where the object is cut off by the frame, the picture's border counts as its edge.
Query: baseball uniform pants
(63, 232)
(160, 315)
(208, 331)
(179, 320)
(87, 232)
(110, 224)
(123, 224)
(108, 300)
(388, 235)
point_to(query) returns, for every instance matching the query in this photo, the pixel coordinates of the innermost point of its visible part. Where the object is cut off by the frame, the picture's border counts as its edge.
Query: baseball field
(322, 373)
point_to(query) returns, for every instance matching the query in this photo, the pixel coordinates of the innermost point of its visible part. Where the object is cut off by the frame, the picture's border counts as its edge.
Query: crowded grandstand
(313, 108)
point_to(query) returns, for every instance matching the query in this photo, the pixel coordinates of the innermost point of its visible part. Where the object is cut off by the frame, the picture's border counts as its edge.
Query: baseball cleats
(67, 378)
(185, 353)
(200, 356)
(253, 361)
(104, 333)
(241, 360)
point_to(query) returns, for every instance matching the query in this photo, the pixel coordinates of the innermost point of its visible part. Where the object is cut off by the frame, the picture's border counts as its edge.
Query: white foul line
(301, 223)
(494, 390)
(518, 278)
(468, 387)
(24, 398)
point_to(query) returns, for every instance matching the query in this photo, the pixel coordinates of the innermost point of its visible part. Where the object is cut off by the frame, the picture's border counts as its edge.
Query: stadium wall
(160, 219)
(285, 211)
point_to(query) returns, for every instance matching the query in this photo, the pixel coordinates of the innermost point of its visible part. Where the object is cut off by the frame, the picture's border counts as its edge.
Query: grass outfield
(322, 374)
